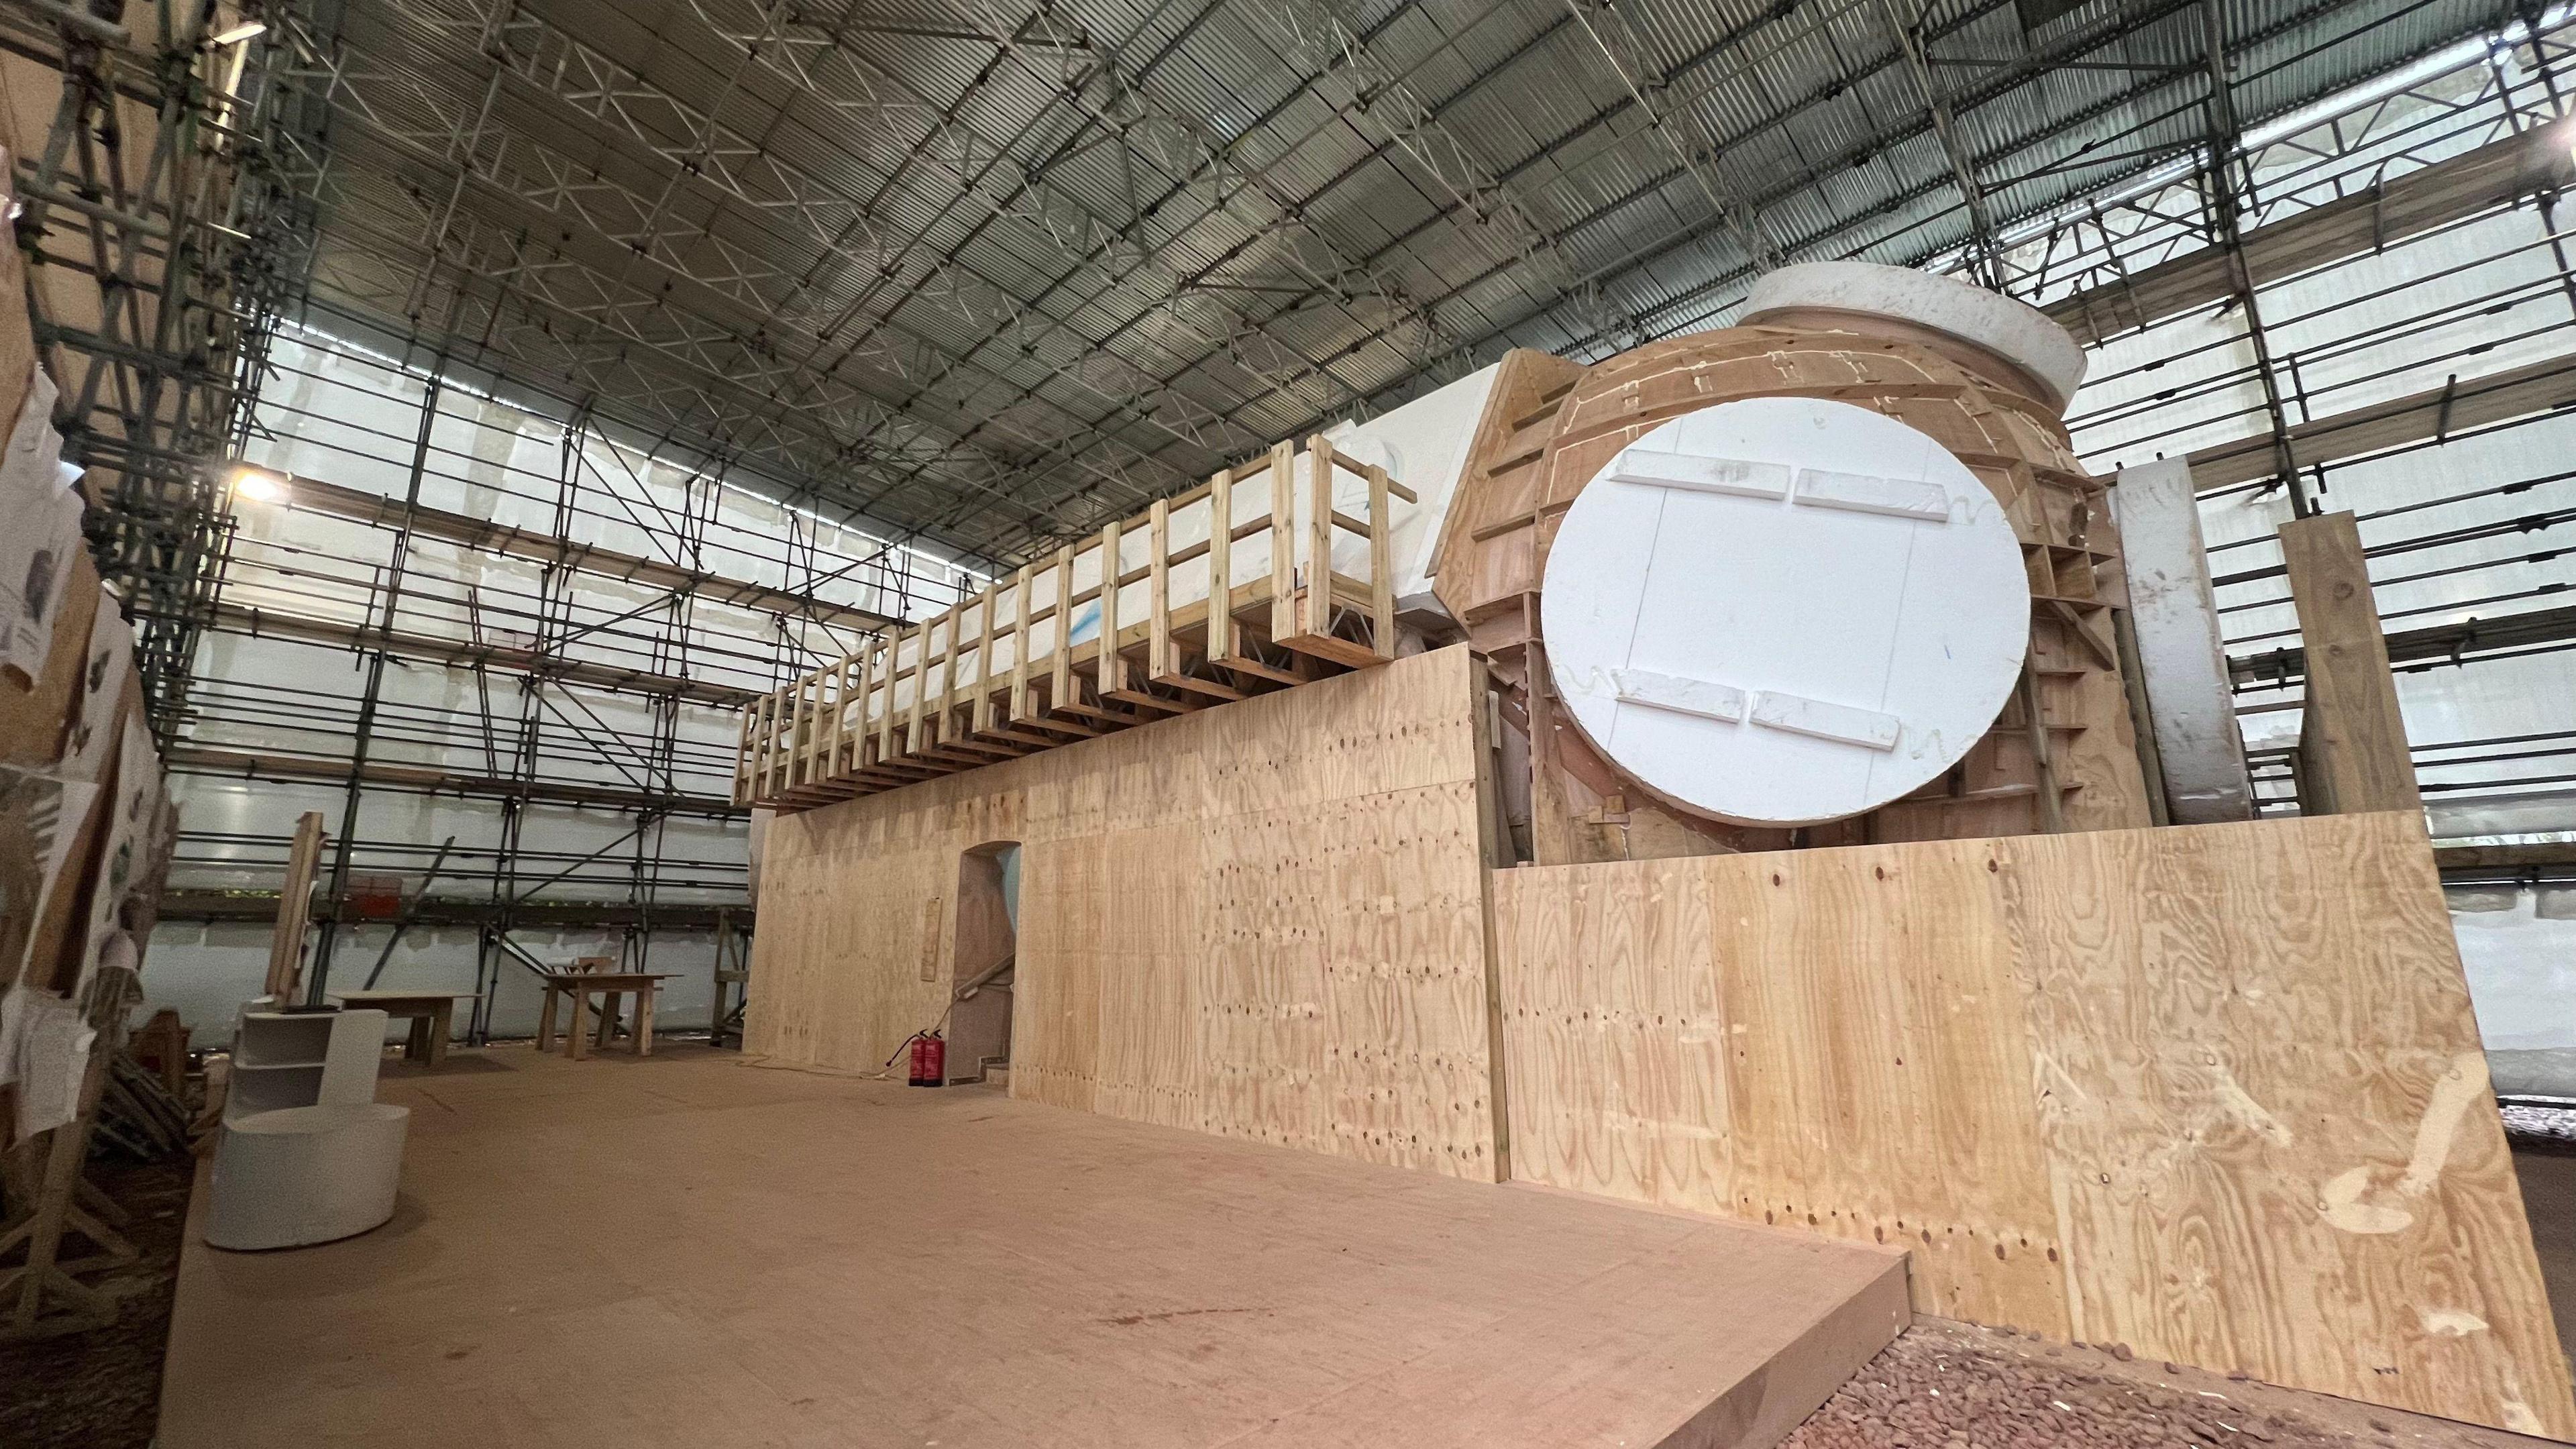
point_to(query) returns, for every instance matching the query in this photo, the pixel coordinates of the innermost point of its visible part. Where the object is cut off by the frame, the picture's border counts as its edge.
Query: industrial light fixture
(236, 34)
(258, 485)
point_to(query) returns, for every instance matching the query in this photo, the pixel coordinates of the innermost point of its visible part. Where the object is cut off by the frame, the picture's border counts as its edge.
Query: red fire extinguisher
(929, 1059)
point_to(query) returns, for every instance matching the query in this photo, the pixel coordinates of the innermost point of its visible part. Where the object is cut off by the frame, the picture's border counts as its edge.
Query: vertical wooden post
(742, 736)
(2043, 754)
(984, 661)
(782, 713)
(1283, 541)
(1220, 555)
(1159, 663)
(1381, 566)
(782, 735)
(1060, 676)
(294, 909)
(791, 712)
(2352, 734)
(809, 723)
(859, 706)
(888, 720)
(1319, 544)
(1017, 706)
(951, 650)
(913, 742)
(756, 768)
(1112, 673)
(837, 728)
(809, 718)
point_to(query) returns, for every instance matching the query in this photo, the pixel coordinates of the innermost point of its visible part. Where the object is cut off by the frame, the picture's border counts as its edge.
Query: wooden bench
(432, 1014)
(580, 985)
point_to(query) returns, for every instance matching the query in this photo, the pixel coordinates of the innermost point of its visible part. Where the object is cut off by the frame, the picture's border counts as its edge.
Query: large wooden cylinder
(2074, 766)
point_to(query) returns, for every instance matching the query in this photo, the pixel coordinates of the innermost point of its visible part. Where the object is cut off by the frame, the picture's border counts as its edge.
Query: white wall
(205, 972)
(2522, 977)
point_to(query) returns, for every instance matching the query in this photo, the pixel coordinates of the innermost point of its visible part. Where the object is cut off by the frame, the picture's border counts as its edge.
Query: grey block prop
(305, 1175)
(2175, 613)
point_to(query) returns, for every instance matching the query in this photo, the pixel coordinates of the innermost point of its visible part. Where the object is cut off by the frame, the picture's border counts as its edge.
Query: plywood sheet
(2212, 1092)
(1263, 922)
(1766, 1037)
(2352, 735)
(766, 1248)
(2267, 1115)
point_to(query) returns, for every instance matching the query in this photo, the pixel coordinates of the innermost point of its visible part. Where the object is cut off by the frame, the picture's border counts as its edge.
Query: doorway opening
(984, 962)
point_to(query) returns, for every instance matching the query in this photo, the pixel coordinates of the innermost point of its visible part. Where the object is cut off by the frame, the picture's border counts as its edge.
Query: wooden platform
(687, 1250)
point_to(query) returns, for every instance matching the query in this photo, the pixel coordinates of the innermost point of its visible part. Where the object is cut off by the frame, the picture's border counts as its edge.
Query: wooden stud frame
(926, 698)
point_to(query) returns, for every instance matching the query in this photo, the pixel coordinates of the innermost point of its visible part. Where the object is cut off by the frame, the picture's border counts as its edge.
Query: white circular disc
(1785, 610)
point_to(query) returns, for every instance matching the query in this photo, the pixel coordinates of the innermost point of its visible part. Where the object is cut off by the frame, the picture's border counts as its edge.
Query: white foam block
(1738, 477)
(1821, 720)
(1705, 698)
(1861, 493)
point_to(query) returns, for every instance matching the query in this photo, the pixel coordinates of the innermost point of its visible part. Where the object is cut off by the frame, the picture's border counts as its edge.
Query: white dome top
(2016, 332)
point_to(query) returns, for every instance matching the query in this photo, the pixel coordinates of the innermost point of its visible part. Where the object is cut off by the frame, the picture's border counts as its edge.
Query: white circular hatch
(1785, 610)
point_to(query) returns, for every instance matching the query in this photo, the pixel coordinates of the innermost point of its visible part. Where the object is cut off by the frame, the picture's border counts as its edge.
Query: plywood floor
(688, 1250)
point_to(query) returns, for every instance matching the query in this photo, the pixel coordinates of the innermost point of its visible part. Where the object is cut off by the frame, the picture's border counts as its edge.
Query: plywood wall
(1264, 920)
(2212, 1092)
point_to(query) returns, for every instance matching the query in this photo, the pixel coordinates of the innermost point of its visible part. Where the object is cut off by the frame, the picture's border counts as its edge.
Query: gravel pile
(1946, 1385)
(2542, 1123)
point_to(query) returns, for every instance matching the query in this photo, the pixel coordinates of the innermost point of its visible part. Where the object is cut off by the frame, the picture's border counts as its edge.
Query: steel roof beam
(760, 291)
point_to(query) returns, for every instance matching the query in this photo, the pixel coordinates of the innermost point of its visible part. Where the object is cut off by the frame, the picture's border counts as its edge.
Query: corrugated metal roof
(991, 268)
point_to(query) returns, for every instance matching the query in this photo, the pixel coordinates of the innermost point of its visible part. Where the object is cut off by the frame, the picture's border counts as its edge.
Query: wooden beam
(1220, 556)
(1381, 540)
(1319, 540)
(1017, 706)
(1060, 675)
(2353, 738)
(984, 661)
(1160, 662)
(294, 909)
(1283, 547)
(1112, 669)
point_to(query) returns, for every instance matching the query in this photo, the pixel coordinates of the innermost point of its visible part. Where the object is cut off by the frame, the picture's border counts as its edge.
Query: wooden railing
(1021, 667)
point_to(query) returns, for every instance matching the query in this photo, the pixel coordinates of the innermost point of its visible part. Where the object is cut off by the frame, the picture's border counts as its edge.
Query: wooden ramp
(686, 1250)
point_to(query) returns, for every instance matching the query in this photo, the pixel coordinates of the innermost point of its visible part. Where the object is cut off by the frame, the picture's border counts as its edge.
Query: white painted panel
(1862, 493)
(1702, 697)
(1423, 444)
(1740, 477)
(1825, 720)
(2174, 613)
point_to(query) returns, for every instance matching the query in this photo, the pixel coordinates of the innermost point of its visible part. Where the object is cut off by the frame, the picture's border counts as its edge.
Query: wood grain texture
(2212, 1092)
(1265, 922)
(2352, 737)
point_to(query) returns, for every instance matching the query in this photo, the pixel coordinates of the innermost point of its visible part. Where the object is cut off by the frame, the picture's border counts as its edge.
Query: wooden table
(610, 985)
(432, 1013)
